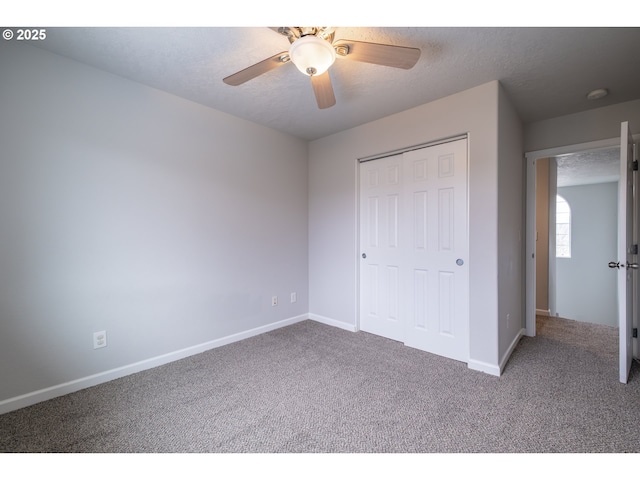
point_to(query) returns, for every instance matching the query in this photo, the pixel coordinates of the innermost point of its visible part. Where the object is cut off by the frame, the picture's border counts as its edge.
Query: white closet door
(380, 270)
(436, 226)
(413, 231)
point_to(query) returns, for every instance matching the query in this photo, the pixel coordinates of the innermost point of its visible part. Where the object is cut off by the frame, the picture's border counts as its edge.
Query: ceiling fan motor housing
(312, 55)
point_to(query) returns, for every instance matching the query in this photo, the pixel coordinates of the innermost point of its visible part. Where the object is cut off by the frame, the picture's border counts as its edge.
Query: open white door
(626, 265)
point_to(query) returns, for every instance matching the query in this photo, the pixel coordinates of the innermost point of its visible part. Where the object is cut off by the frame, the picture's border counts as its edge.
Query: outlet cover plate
(100, 339)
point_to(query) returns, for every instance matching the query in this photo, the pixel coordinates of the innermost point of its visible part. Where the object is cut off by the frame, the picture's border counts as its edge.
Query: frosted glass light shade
(312, 55)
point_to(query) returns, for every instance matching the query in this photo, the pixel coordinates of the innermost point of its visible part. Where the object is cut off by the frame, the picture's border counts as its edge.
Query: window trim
(560, 200)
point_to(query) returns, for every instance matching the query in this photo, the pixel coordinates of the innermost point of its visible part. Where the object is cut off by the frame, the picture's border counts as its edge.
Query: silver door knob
(364, 255)
(614, 264)
(632, 265)
(459, 262)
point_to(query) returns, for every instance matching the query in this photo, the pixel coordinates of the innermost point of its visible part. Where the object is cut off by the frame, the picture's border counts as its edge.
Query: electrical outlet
(274, 301)
(100, 339)
(294, 297)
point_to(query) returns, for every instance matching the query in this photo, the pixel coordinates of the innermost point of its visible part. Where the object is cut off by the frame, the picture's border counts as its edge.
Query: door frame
(530, 217)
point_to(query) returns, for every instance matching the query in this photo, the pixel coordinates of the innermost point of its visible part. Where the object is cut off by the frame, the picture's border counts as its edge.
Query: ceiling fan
(313, 51)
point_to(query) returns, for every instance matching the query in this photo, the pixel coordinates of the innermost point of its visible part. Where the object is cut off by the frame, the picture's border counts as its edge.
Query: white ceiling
(545, 71)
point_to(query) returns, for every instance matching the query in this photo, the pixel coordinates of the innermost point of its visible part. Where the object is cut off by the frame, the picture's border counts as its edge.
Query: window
(563, 228)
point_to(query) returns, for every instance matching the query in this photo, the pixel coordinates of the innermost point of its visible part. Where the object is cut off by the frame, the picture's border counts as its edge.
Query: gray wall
(125, 209)
(511, 213)
(333, 220)
(596, 124)
(586, 287)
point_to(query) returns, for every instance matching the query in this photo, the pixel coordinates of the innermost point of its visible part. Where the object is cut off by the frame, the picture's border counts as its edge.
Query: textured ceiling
(545, 71)
(595, 166)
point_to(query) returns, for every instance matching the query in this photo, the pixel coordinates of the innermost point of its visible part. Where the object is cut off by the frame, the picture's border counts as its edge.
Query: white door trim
(356, 246)
(420, 146)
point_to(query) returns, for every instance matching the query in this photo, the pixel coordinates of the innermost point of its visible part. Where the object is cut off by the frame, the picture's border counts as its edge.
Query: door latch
(634, 266)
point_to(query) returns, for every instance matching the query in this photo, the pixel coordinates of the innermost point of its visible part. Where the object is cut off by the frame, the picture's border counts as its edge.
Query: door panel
(380, 273)
(439, 323)
(626, 235)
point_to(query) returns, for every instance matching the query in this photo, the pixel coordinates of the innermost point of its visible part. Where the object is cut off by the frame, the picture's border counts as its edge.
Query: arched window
(563, 228)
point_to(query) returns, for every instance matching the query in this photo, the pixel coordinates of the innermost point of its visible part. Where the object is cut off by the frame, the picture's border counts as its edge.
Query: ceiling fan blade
(324, 91)
(257, 69)
(379, 53)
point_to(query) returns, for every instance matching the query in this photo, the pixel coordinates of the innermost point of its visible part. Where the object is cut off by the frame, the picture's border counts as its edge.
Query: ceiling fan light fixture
(312, 55)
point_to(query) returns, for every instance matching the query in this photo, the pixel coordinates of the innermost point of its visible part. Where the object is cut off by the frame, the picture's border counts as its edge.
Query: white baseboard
(332, 322)
(544, 313)
(496, 370)
(484, 367)
(48, 393)
(512, 347)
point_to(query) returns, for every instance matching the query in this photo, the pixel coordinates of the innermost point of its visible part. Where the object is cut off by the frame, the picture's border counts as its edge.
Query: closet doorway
(414, 274)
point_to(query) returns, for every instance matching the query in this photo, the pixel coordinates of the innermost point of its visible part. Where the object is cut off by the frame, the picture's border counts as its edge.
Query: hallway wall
(586, 287)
